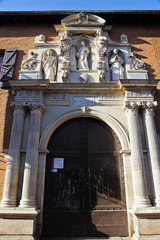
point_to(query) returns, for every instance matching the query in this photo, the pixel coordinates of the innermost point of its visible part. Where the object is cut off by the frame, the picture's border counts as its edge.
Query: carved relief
(82, 56)
(49, 65)
(83, 17)
(116, 63)
(31, 63)
(84, 78)
(101, 44)
(102, 77)
(66, 43)
(137, 64)
(65, 76)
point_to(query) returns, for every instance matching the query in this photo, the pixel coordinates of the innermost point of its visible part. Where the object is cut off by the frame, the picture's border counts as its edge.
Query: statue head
(49, 52)
(83, 43)
(115, 51)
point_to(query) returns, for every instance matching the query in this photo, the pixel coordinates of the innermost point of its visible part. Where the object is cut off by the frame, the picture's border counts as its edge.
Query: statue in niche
(49, 64)
(116, 63)
(82, 55)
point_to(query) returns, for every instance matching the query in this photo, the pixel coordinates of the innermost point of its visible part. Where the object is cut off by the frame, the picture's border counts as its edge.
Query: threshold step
(87, 238)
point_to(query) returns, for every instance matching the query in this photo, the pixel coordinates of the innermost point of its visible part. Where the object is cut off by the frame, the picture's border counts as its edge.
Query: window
(7, 62)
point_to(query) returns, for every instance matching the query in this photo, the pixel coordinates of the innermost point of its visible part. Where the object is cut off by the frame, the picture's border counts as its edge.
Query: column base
(28, 204)
(7, 203)
(141, 203)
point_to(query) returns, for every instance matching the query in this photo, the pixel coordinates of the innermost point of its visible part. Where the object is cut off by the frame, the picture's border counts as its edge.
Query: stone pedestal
(31, 163)
(18, 224)
(13, 164)
(138, 173)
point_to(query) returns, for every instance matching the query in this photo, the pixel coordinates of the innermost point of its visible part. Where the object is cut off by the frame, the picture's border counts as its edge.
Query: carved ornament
(102, 77)
(101, 44)
(31, 63)
(66, 43)
(137, 64)
(149, 107)
(132, 107)
(82, 17)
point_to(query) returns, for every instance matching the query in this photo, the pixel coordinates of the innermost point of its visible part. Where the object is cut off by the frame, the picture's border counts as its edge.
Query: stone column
(137, 162)
(152, 144)
(12, 171)
(31, 163)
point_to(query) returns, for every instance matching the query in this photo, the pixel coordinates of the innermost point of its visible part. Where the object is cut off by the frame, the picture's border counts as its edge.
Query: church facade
(82, 155)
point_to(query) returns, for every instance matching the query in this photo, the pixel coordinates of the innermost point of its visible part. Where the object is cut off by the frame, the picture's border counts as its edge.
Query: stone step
(87, 238)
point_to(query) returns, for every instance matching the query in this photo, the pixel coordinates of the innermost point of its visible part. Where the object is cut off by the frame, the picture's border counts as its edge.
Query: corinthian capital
(19, 108)
(36, 107)
(132, 106)
(149, 107)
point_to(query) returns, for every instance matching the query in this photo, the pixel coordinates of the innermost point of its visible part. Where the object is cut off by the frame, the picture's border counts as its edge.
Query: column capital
(36, 107)
(148, 107)
(132, 107)
(19, 108)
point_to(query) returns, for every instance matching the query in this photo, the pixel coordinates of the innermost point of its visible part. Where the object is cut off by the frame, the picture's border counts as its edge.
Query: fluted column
(153, 145)
(31, 163)
(137, 162)
(12, 171)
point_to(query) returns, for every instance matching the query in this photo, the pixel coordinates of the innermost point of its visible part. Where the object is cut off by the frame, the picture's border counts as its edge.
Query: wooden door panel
(85, 197)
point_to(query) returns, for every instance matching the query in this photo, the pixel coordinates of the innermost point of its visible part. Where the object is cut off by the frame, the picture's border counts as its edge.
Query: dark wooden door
(86, 196)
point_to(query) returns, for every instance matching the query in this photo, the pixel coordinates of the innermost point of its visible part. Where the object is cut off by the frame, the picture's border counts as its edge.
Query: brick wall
(145, 41)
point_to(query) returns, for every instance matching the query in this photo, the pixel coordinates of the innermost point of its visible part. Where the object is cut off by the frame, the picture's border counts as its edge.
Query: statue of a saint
(50, 66)
(82, 55)
(116, 63)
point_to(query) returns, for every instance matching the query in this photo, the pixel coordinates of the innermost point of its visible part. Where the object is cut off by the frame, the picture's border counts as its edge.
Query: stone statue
(82, 55)
(49, 66)
(116, 63)
(66, 43)
(101, 43)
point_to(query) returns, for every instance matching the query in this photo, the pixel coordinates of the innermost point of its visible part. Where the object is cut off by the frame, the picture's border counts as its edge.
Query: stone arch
(85, 112)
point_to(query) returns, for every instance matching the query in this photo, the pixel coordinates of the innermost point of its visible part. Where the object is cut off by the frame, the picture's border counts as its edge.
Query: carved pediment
(83, 18)
(81, 23)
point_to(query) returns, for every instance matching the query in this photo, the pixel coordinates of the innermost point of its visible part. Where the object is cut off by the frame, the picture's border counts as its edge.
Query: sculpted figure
(116, 63)
(66, 43)
(50, 66)
(82, 55)
(101, 43)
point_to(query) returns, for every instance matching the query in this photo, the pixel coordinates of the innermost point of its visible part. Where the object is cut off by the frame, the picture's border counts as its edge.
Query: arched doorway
(84, 187)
